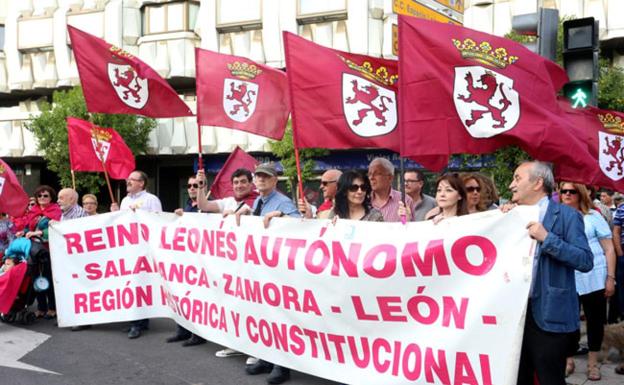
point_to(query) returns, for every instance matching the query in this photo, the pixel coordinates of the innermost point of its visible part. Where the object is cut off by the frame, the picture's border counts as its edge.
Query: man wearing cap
(269, 204)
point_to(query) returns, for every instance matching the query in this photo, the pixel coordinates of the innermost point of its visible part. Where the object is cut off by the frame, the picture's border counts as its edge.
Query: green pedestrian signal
(579, 93)
(579, 99)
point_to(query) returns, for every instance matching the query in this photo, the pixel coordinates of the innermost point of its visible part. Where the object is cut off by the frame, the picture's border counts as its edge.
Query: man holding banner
(552, 310)
(138, 199)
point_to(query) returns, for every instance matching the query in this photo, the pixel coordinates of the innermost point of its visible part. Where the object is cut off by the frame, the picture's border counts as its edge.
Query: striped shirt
(390, 209)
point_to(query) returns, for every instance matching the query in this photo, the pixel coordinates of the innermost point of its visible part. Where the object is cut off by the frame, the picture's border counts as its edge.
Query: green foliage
(506, 160)
(285, 151)
(50, 129)
(611, 87)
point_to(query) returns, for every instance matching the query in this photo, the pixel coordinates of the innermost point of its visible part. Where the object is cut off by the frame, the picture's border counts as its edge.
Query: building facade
(36, 57)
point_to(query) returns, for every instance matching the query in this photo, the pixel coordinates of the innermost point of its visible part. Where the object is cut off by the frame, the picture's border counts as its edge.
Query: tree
(285, 151)
(50, 129)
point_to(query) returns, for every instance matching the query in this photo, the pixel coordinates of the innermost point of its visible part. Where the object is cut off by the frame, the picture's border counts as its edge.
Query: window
(1, 37)
(241, 15)
(175, 16)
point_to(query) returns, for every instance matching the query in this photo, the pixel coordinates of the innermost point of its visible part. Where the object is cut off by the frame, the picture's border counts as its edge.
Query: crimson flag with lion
(116, 82)
(464, 91)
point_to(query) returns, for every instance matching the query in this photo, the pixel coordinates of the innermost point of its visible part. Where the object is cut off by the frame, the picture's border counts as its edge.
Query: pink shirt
(390, 209)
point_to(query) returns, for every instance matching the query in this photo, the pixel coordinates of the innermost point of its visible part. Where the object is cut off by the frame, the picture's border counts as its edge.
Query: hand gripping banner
(355, 302)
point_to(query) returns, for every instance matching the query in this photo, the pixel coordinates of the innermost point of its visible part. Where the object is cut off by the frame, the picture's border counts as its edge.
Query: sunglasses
(326, 182)
(193, 185)
(43, 195)
(89, 203)
(473, 189)
(566, 191)
(408, 181)
(356, 187)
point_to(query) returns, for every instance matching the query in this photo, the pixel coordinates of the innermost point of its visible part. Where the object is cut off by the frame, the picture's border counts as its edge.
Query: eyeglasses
(471, 189)
(43, 195)
(569, 191)
(326, 182)
(407, 181)
(356, 187)
(193, 185)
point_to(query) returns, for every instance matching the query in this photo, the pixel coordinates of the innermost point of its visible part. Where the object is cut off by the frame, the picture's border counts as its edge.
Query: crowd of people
(578, 259)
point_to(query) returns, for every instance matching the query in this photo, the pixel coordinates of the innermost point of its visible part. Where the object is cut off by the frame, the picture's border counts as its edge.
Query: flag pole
(73, 179)
(200, 162)
(299, 178)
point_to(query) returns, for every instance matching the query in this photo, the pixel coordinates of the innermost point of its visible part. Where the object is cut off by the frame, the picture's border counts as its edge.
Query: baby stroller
(34, 255)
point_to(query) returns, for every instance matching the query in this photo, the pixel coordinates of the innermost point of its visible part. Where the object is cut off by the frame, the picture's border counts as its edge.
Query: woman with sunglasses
(450, 197)
(37, 221)
(596, 285)
(353, 199)
(473, 187)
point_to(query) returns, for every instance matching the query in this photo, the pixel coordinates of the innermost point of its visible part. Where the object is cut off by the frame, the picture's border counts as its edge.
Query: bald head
(67, 197)
(329, 183)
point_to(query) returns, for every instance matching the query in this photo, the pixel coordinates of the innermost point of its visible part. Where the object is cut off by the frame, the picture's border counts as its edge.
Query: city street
(44, 354)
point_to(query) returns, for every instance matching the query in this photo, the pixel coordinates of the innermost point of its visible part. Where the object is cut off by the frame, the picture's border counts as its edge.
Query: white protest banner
(358, 302)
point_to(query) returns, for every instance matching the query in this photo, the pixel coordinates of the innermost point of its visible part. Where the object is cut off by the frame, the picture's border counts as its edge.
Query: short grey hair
(544, 171)
(385, 163)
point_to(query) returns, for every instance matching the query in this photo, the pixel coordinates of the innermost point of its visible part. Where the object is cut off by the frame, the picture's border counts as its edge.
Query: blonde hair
(585, 203)
(89, 196)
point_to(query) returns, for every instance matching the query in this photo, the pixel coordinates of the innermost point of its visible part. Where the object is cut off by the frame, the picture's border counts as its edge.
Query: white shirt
(141, 201)
(228, 203)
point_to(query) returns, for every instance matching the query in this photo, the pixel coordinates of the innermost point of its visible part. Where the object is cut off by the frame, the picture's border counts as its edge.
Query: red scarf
(52, 211)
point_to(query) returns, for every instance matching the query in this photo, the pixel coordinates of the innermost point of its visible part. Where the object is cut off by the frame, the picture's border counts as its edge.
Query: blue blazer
(554, 302)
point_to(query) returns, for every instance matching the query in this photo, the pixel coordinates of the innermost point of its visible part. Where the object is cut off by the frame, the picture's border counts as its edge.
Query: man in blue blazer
(552, 312)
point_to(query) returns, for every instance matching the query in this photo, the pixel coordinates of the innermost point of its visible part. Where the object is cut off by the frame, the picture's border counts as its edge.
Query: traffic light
(580, 60)
(544, 25)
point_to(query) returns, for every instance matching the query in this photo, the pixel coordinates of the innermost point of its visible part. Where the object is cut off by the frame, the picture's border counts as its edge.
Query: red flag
(603, 131)
(116, 82)
(464, 91)
(222, 185)
(342, 100)
(235, 92)
(13, 198)
(10, 283)
(89, 144)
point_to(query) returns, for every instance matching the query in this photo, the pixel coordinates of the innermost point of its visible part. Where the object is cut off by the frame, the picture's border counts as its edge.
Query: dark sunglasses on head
(43, 195)
(326, 182)
(569, 191)
(355, 187)
(473, 189)
(194, 185)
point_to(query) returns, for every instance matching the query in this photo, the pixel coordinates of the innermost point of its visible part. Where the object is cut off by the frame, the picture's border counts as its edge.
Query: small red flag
(464, 91)
(222, 185)
(13, 198)
(89, 144)
(116, 82)
(235, 92)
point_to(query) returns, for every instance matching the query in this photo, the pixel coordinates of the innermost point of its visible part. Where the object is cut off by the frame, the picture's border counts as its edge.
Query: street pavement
(609, 377)
(44, 354)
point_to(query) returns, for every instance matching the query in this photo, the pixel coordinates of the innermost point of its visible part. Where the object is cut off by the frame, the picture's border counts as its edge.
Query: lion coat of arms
(370, 109)
(239, 99)
(611, 155)
(485, 101)
(131, 89)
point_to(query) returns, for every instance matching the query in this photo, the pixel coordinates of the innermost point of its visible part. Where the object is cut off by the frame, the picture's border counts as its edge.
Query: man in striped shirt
(383, 197)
